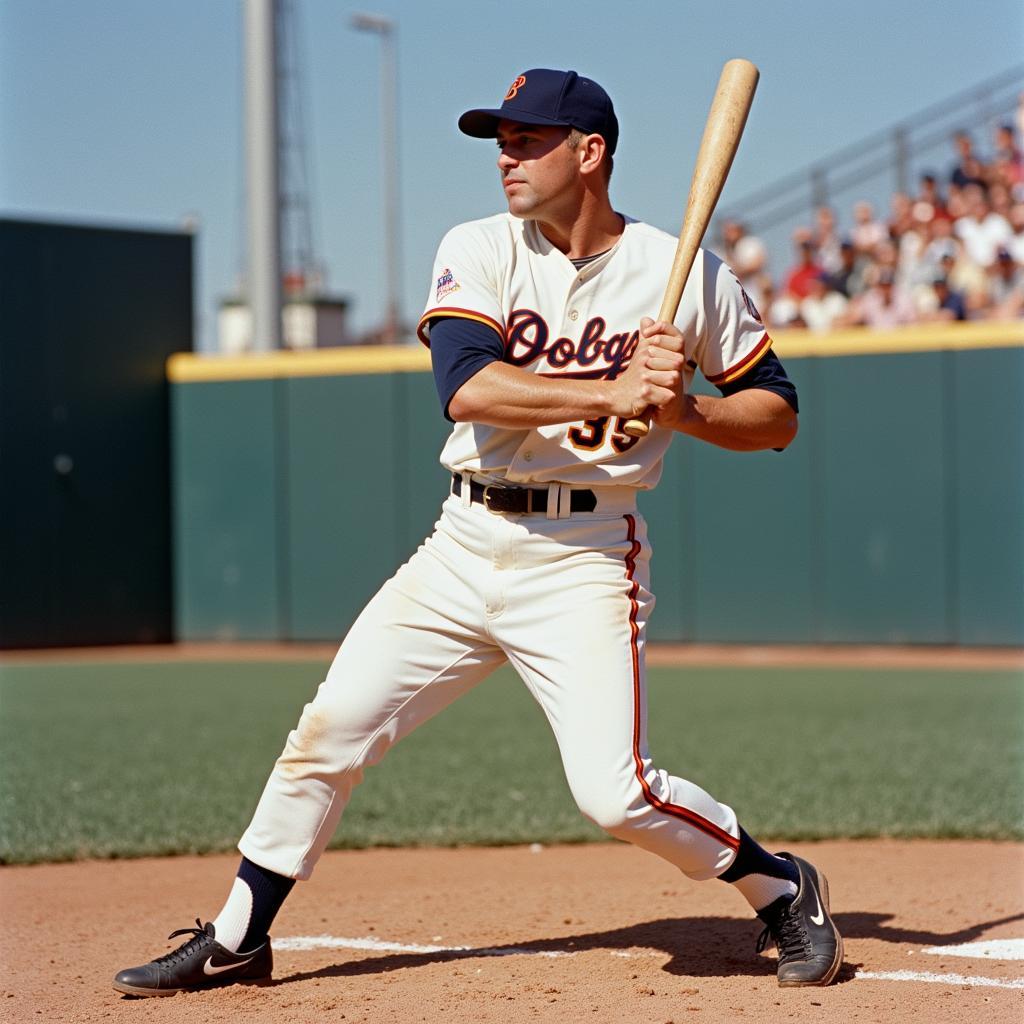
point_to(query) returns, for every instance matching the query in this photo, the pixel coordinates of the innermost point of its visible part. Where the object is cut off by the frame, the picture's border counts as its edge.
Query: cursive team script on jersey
(596, 355)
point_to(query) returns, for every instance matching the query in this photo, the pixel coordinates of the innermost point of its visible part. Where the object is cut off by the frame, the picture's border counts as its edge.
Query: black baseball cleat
(201, 962)
(809, 944)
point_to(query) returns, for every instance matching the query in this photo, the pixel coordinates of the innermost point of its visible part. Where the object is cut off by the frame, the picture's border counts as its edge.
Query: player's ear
(591, 152)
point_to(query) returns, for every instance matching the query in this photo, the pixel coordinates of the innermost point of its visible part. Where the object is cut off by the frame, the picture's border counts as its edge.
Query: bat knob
(636, 428)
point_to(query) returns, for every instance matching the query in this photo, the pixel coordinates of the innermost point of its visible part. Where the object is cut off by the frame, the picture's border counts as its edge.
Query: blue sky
(129, 111)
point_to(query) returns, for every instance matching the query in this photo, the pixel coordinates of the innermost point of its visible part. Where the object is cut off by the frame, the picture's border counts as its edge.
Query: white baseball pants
(565, 600)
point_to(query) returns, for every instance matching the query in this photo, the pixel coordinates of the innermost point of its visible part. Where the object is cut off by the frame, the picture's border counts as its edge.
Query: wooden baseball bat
(722, 132)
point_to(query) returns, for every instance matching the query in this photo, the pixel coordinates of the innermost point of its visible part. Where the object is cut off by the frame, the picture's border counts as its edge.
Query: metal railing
(881, 163)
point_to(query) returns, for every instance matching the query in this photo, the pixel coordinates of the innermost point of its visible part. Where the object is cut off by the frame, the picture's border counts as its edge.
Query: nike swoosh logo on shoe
(209, 969)
(819, 918)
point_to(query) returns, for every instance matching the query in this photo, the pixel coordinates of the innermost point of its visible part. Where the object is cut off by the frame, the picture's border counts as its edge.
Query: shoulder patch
(446, 284)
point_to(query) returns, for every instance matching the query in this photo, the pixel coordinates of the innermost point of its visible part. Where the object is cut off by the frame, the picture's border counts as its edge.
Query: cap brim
(483, 124)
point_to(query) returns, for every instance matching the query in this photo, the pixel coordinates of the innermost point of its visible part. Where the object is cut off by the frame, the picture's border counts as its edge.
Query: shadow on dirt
(696, 947)
(874, 926)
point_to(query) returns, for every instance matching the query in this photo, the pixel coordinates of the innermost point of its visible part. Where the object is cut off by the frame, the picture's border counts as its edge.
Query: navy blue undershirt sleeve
(770, 375)
(460, 348)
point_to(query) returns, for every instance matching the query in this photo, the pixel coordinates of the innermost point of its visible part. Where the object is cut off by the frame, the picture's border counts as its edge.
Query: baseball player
(541, 347)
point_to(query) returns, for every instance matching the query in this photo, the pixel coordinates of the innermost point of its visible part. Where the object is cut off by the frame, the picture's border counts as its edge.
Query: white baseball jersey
(557, 321)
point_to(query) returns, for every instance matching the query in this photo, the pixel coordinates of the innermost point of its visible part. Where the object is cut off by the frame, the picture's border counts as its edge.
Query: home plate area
(996, 950)
(599, 933)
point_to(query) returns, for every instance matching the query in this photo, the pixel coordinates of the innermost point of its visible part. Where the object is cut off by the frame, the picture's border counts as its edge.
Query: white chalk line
(307, 943)
(941, 979)
(992, 949)
(310, 942)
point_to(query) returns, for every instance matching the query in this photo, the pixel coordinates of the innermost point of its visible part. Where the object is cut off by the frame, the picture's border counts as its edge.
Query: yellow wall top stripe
(366, 359)
(861, 341)
(321, 362)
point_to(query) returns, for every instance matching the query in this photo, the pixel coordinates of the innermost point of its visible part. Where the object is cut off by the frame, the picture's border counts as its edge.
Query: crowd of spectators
(952, 251)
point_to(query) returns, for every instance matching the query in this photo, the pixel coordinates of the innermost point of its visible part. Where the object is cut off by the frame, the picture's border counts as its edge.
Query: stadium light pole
(387, 29)
(261, 145)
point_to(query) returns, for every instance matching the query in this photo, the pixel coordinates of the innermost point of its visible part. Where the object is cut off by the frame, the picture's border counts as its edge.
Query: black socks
(760, 876)
(254, 900)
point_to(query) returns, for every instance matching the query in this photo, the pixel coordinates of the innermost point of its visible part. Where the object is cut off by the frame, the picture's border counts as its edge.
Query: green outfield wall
(302, 480)
(88, 317)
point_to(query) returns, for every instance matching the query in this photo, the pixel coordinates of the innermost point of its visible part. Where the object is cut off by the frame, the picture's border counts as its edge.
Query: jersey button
(574, 314)
(528, 456)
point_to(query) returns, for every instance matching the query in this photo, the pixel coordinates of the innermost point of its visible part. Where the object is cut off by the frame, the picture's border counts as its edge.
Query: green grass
(129, 760)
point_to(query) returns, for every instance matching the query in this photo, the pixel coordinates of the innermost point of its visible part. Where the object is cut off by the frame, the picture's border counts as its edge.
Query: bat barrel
(722, 131)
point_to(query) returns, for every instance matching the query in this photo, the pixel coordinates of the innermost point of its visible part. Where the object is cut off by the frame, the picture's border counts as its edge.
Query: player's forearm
(746, 421)
(500, 395)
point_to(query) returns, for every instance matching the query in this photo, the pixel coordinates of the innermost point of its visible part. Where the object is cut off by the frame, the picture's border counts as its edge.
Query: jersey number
(592, 434)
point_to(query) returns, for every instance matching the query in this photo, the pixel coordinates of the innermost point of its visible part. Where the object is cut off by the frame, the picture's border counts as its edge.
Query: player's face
(539, 173)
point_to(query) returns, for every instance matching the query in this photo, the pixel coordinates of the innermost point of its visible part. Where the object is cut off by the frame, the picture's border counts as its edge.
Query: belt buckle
(487, 499)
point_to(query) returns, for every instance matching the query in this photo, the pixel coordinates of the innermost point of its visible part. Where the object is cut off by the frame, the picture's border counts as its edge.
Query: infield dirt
(600, 933)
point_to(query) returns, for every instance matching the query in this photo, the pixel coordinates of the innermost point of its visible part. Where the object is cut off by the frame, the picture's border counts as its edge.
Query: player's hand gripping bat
(718, 146)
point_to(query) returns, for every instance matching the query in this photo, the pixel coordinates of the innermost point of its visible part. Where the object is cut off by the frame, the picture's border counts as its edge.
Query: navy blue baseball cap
(543, 96)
